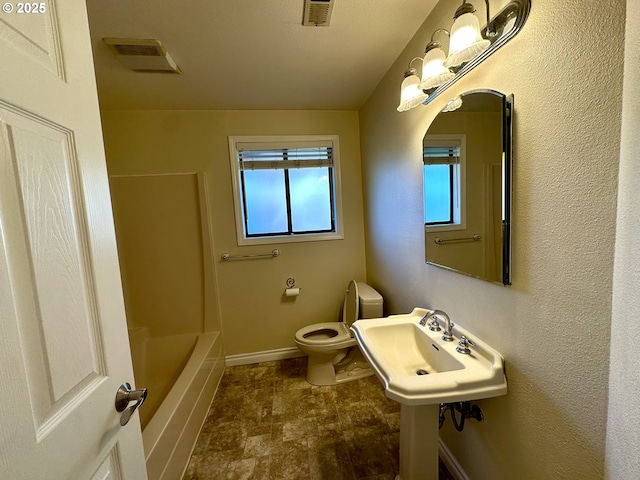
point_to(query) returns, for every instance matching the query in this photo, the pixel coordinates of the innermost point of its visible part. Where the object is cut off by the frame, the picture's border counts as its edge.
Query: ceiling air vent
(142, 55)
(317, 13)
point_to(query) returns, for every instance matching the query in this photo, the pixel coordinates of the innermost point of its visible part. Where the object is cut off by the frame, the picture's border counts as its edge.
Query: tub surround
(164, 249)
(171, 434)
(157, 363)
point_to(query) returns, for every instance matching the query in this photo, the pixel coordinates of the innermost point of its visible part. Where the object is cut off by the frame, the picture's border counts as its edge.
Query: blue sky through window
(265, 201)
(437, 193)
(310, 199)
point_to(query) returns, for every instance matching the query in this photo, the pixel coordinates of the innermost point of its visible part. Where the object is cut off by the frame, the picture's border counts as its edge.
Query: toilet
(334, 355)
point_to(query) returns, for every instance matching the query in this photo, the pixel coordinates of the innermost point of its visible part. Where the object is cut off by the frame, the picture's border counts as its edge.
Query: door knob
(124, 396)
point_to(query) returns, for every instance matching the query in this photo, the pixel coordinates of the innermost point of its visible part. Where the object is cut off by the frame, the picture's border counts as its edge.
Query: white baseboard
(266, 356)
(450, 461)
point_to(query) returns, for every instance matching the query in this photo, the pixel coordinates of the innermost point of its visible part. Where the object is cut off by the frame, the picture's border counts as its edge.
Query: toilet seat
(351, 306)
(330, 334)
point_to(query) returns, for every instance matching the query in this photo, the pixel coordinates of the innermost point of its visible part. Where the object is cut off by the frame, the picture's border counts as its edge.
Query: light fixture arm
(434, 43)
(413, 60)
(490, 33)
(410, 70)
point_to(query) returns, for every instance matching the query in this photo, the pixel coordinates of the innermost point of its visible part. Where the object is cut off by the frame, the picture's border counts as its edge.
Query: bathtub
(172, 429)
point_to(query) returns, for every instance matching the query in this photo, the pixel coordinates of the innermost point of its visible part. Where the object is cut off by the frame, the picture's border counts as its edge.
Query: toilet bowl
(333, 354)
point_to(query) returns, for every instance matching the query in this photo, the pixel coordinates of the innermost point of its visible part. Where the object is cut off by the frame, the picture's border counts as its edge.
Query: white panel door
(63, 341)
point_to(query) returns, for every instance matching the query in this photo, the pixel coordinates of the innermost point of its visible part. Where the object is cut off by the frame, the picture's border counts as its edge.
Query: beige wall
(623, 439)
(255, 316)
(553, 324)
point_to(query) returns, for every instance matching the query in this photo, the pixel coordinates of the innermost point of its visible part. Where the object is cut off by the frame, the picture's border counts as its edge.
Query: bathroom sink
(417, 367)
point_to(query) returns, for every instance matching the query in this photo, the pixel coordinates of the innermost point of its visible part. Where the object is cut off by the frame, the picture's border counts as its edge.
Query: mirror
(467, 157)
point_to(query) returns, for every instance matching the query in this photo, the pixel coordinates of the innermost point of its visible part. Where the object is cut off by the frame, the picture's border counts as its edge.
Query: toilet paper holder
(291, 290)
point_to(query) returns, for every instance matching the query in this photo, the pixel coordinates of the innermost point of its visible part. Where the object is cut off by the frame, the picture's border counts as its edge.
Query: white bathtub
(171, 433)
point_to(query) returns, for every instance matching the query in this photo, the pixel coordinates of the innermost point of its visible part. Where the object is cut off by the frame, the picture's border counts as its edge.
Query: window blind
(441, 155)
(265, 156)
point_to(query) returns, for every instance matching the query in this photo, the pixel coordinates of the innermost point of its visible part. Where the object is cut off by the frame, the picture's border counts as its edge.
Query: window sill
(289, 239)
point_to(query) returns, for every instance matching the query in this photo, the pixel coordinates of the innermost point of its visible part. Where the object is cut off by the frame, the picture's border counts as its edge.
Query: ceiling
(252, 54)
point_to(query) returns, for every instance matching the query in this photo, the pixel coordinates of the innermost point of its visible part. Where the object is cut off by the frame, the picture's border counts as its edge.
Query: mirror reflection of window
(438, 193)
(444, 173)
(442, 179)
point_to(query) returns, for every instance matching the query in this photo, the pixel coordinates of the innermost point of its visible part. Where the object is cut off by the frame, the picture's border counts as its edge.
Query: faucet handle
(463, 345)
(447, 336)
(434, 326)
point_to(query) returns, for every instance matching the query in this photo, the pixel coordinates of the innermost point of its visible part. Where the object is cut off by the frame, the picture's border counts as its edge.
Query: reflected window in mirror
(467, 187)
(443, 176)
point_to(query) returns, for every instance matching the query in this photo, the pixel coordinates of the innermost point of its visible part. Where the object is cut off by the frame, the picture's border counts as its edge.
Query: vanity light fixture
(410, 93)
(434, 73)
(466, 40)
(468, 47)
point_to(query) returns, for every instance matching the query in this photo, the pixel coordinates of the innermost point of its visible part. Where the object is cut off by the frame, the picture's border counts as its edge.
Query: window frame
(458, 178)
(286, 141)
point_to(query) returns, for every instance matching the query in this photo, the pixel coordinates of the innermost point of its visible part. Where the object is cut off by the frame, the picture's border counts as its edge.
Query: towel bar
(274, 253)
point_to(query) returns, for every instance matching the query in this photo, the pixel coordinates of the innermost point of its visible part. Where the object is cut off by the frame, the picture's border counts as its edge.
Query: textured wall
(553, 324)
(255, 317)
(623, 431)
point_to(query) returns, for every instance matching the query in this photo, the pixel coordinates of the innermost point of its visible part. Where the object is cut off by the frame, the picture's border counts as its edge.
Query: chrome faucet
(447, 336)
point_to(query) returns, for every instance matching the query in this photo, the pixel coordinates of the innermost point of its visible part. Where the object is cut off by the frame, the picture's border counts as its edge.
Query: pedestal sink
(420, 370)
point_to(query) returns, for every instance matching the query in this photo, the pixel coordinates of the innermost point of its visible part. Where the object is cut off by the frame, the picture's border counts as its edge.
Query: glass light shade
(434, 73)
(453, 105)
(410, 93)
(466, 41)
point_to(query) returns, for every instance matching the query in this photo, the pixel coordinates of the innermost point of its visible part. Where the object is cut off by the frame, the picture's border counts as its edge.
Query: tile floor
(267, 423)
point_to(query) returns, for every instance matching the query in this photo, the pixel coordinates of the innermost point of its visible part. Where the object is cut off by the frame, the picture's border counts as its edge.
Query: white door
(63, 340)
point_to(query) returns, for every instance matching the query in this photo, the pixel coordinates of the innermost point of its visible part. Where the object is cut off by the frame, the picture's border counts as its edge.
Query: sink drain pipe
(464, 410)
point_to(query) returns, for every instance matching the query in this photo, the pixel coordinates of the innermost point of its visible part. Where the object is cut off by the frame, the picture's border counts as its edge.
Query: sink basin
(417, 367)
(420, 370)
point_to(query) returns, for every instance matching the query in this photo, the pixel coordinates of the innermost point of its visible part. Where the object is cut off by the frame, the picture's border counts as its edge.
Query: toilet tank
(370, 301)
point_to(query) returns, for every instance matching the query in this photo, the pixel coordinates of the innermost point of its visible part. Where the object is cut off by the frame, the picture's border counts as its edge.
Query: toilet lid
(351, 307)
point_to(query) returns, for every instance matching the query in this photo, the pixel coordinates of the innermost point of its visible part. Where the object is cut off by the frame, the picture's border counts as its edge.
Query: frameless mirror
(467, 157)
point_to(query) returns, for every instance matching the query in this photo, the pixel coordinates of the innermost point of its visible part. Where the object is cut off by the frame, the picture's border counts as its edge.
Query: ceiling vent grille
(317, 13)
(142, 55)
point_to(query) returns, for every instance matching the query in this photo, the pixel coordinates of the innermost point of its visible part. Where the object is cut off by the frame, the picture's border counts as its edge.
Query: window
(286, 188)
(443, 173)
